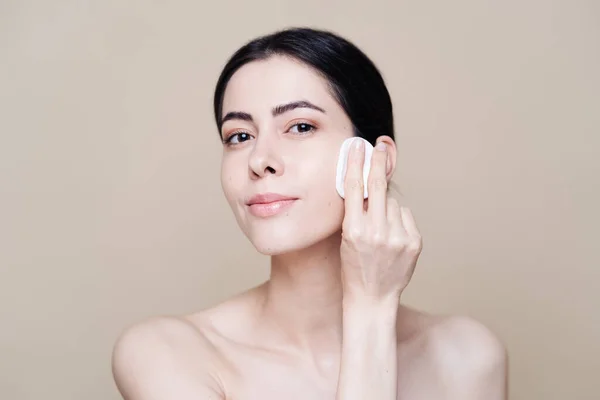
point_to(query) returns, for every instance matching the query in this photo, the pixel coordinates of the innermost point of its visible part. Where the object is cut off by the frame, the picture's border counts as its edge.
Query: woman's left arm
(379, 251)
(491, 381)
(380, 248)
(482, 371)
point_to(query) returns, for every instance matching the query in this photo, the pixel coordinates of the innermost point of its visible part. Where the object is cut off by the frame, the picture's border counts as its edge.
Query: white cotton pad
(343, 161)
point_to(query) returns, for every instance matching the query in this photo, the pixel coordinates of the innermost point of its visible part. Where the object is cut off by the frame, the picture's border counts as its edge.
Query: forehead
(263, 84)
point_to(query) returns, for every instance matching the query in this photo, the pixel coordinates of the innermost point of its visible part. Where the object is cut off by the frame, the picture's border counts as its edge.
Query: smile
(269, 204)
(270, 209)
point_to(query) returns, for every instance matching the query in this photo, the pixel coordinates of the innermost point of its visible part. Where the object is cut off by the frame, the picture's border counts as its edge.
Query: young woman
(328, 324)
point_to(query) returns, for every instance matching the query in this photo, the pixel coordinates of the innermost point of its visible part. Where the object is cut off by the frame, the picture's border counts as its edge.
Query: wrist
(369, 308)
(368, 320)
(354, 299)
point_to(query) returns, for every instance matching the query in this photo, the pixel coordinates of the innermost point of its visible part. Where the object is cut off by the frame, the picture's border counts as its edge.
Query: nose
(264, 159)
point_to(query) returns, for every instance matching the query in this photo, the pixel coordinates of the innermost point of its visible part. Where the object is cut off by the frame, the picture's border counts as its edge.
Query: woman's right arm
(163, 359)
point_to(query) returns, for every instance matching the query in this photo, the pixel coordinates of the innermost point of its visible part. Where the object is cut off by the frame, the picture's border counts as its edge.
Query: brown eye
(302, 128)
(237, 138)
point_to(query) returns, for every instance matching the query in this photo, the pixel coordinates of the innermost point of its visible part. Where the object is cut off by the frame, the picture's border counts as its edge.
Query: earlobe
(391, 155)
(391, 161)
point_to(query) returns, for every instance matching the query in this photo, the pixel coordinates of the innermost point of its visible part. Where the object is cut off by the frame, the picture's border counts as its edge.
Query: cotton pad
(343, 161)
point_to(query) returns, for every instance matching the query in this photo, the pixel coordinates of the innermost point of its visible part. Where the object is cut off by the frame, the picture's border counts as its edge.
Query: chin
(303, 226)
(273, 242)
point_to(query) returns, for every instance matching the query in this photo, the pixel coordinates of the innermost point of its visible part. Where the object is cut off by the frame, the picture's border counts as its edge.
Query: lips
(269, 204)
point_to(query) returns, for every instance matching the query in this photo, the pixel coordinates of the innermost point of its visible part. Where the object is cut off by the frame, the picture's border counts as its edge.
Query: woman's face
(282, 132)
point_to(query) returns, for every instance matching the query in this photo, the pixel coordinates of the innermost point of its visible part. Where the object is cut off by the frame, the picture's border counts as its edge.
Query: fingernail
(358, 144)
(381, 146)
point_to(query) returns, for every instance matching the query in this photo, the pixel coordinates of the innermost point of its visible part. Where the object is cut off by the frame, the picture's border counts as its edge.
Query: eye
(302, 127)
(237, 138)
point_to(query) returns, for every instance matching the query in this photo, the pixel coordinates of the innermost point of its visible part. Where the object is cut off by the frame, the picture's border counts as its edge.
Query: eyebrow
(278, 110)
(293, 105)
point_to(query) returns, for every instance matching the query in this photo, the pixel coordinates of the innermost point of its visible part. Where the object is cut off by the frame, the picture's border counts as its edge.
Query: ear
(391, 155)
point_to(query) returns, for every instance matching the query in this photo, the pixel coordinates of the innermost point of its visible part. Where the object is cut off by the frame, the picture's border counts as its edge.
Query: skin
(338, 270)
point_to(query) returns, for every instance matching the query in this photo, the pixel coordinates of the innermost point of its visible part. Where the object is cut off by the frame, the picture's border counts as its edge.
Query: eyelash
(230, 137)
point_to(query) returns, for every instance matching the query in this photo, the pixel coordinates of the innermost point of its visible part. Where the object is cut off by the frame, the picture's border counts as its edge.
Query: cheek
(231, 185)
(229, 181)
(324, 199)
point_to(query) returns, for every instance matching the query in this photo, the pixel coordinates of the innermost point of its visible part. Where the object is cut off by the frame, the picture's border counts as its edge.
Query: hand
(380, 244)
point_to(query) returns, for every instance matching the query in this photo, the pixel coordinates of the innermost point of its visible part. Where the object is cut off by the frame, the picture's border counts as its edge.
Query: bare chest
(267, 380)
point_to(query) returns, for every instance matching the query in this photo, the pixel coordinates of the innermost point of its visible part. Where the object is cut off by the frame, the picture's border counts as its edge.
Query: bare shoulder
(465, 342)
(165, 358)
(464, 354)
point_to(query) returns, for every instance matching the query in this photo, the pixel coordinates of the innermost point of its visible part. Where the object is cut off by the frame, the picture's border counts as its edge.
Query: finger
(377, 184)
(395, 220)
(409, 223)
(353, 182)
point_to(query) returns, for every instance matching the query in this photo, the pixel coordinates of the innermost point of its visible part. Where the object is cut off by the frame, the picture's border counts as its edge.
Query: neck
(304, 296)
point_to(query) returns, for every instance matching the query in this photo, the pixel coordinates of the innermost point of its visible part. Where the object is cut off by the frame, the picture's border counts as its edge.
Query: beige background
(111, 207)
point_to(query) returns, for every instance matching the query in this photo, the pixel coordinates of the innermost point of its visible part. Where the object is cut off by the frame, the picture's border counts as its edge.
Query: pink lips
(269, 204)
